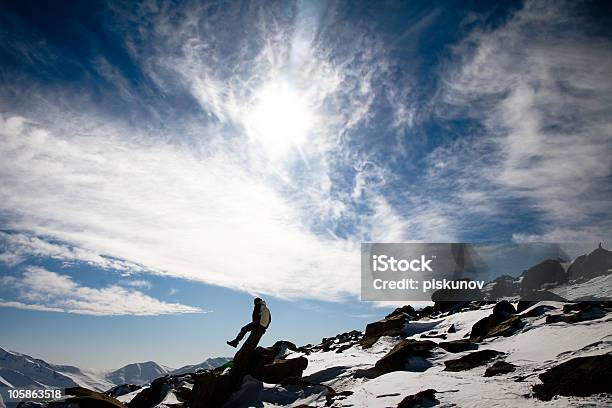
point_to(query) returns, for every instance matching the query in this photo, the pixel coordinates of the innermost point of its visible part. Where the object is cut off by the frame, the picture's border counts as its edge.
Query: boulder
(493, 325)
(471, 360)
(580, 377)
(84, 398)
(504, 286)
(404, 310)
(550, 271)
(504, 309)
(395, 360)
(524, 305)
(279, 370)
(211, 389)
(499, 367)
(458, 346)
(392, 326)
(152, 395)
(538, 311)
(425, 398)
(452, 329)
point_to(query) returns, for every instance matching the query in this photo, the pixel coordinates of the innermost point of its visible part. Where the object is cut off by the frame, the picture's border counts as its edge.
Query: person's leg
(245, 329)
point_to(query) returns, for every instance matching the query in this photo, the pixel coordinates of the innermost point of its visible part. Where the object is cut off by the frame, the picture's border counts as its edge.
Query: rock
(426, 398)
(504, 286)
(499, 367)
(279, 370)
(84, 398)
(524, 305)
(395, 360)
(452, 329)
(122, 390)
(457, 346)
(580, 377)
(471, 360)
(393, 326)
(151, 396)
(549, 271)
(504, 309)
(585, 267)
(426, 311)
(211, 389)
(334, 396)
(404, 310)
(538, 311)
(493, 325)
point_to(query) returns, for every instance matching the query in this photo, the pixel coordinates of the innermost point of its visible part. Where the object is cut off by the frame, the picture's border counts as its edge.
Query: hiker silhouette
(261, 319)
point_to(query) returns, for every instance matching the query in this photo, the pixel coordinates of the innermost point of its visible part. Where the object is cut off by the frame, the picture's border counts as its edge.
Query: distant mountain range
(21, 370)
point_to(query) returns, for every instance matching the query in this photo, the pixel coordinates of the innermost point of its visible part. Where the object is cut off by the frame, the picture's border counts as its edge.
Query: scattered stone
(580, 377)
(426, 398)
(504, 309)
(499, 367)
(334, 396)
(404, 310)
(471, 360)
(457, 346)
(279, 370)
(494, 325)
(395, 360)
(392, 326)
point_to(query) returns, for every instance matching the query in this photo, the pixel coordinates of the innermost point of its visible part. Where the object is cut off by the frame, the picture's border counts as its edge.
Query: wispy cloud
(539, 85)
(43, 290)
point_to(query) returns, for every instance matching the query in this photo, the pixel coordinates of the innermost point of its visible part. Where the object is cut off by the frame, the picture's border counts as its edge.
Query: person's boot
(232, 343)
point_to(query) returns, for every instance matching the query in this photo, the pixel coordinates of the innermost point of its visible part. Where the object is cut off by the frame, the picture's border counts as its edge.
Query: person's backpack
(264, 315)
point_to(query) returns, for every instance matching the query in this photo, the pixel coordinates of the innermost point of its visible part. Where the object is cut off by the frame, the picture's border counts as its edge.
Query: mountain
(205, 365)
(21, 370)
(137, 373)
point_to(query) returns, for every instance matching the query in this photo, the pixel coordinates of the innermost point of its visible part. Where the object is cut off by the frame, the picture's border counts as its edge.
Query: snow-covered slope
(207, 364)
(137, 373)
(21, 370)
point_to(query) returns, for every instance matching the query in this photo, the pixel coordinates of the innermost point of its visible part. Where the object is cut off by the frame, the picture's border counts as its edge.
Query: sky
(161, 163)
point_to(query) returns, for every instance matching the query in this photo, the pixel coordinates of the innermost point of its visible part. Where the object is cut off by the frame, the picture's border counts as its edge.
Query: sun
(280, 119)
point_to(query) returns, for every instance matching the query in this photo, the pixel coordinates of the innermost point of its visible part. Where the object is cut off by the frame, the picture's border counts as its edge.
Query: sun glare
(280, 119)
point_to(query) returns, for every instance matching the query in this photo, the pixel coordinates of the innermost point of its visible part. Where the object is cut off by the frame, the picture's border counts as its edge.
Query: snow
(536, 347)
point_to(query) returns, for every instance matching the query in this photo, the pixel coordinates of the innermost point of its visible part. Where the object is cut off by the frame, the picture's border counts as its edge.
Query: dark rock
(393, 326)
(457, 346)
(404, 310)
(549, 271)
(334, 396)
(452, 329)
(493, 325)
(524, 305)
(538, 311)
(471, 360)
(433, 335)
(211, 389)
(499, 367)
(279, 370)
(504, 286)
(442, 306)
(395, 360)
(426, 311)
(122, 389)
(585, 267)
(84, 398)
(504, 309)
(580, 377)
(425, 398)
(457, 295)
(151, 396)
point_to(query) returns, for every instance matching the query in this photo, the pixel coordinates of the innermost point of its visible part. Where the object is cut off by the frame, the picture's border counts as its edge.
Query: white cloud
(43, 290)
(541, 87)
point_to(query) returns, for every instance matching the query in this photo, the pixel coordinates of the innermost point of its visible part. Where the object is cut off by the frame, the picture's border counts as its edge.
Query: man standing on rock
(260, 322)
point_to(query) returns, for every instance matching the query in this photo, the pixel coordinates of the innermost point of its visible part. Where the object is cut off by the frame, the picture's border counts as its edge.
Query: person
(260, 321)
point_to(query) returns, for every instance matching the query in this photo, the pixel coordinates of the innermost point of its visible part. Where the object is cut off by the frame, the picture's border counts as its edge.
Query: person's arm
(256, 314)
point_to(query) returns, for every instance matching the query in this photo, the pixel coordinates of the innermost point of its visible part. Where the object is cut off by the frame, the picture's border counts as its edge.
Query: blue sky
(161, 163)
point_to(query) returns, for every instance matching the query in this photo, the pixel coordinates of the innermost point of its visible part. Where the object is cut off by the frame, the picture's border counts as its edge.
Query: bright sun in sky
(280, 119)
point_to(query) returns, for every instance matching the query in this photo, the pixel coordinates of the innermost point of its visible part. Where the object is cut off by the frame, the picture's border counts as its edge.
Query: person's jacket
(261, 315)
